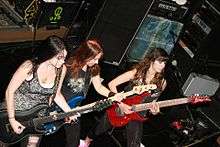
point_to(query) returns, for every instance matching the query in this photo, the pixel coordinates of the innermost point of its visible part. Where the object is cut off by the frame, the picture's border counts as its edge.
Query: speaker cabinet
(200, 84)
(116, 24)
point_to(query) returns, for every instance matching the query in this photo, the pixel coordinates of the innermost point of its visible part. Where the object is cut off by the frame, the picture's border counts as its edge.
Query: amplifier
(168, 9)
(204, 21)
(200, 84)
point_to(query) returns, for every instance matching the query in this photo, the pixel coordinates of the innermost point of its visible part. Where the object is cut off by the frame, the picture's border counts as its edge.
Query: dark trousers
(3, 144)
(134, 130)
(72, 134)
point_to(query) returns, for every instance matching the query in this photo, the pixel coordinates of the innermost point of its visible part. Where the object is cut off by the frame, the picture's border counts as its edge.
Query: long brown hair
(85, 52)
(144, 66)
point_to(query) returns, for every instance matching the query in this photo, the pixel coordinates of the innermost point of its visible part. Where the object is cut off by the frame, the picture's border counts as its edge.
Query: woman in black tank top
(82, 70)
(148, 71)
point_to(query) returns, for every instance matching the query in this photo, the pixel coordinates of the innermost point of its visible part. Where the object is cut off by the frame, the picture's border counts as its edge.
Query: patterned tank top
(31, 93)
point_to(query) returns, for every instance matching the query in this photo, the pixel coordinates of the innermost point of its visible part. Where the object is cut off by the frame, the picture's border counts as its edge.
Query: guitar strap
(52, 105)
(57, 80)
(87, 83)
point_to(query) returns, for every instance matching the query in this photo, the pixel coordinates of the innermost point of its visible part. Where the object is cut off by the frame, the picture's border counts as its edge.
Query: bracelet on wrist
(110, 94)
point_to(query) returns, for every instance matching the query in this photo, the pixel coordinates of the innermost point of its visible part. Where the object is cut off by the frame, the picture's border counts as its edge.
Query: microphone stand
(180, 80)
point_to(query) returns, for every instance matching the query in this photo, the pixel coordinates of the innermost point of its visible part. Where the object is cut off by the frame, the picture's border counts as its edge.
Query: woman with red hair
(82, 70)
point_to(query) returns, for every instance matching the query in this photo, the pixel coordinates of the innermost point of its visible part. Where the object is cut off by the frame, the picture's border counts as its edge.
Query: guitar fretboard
(82, 109)
(58, 116)
(166, 103)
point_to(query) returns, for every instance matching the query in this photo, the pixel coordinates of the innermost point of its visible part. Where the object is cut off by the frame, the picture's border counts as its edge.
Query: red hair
(85, 52)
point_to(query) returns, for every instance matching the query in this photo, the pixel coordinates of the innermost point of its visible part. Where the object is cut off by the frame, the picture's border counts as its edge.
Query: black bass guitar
(39, 125)
(42, 125)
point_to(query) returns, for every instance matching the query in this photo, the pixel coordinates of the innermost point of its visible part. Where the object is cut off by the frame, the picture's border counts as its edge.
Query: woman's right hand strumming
(125, 108)
(16, 126)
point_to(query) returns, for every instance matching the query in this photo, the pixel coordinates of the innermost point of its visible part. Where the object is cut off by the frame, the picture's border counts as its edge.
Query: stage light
(180, 2)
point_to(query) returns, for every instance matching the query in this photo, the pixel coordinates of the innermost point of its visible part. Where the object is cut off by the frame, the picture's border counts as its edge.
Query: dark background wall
(115, 23)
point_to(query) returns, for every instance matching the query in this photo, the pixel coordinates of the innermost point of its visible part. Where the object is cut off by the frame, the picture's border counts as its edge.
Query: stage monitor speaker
(116, 24)
(211, 112)
(200, 84)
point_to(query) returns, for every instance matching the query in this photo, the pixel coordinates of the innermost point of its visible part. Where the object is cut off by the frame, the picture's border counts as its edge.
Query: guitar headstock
(102, 104)
(144, 88)
(199, 99)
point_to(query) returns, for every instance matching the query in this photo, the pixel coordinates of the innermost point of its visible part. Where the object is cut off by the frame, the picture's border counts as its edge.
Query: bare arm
(125, 77)
(19, 76)
(164, 85)
(99, 87)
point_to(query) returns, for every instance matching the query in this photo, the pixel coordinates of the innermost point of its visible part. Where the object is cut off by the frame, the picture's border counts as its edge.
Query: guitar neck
(81, 110)
(174, 102)
(58, 116)
(129, 93)
(166, 103)
(126, 94)
(137, 90)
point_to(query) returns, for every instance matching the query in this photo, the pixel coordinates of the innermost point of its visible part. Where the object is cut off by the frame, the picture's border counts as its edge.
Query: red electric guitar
(118, 119)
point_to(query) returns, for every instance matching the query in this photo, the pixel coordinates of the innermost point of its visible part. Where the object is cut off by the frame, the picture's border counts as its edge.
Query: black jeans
(72, 134)
(134, 130)
(3, 144)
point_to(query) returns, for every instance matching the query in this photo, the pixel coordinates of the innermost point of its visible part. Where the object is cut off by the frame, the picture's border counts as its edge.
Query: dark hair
(48, 49)
(85, 52)
(143, 66)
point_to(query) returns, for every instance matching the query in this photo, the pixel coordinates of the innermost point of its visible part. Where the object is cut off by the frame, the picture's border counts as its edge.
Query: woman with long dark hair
(148, 71)
(37, 81)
